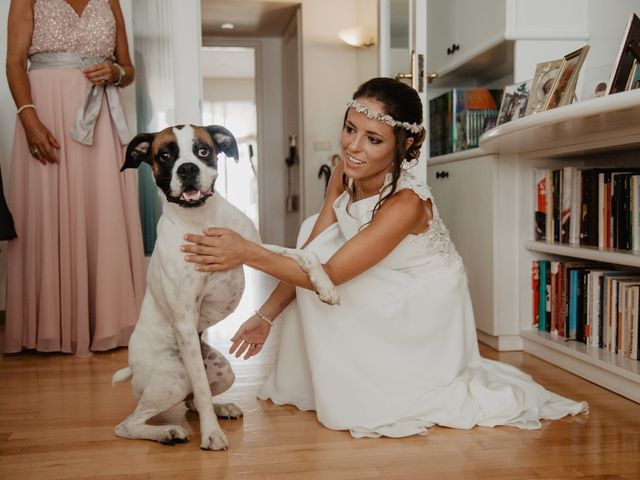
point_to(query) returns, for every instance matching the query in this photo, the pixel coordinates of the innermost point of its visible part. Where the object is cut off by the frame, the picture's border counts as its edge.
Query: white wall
(331, 74)
(228, 89)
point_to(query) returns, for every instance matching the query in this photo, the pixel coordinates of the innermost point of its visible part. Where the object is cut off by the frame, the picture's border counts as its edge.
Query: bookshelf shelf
(596, 364)
(603, 132)
(617, 257)
(607, 123)
(454, 157)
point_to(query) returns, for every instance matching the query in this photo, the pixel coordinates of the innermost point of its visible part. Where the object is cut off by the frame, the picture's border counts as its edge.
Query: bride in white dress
(399, 353)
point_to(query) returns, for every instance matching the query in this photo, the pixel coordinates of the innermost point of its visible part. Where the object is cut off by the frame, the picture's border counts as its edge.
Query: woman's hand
(217, 250)
(42, 143)
(250, 337)
(100, 73)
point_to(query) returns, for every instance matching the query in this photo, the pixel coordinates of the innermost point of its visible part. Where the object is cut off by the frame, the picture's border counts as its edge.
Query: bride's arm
(221, 249)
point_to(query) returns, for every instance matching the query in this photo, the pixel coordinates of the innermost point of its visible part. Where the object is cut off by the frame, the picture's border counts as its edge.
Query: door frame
(417, 23)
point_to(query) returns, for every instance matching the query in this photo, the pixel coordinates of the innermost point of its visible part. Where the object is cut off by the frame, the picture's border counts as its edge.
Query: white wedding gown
(399, 354)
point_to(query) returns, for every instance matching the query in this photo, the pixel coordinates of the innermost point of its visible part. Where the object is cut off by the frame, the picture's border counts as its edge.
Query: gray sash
(85, 121)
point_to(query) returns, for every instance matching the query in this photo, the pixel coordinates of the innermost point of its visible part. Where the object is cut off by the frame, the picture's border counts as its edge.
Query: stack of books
(459, 117)
(588, 303)
(598, 207)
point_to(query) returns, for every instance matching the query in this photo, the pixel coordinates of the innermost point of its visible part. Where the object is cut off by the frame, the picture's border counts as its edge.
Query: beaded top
(58, 28)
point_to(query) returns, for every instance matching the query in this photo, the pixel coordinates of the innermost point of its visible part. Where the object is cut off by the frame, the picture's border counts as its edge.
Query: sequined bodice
(58, 28)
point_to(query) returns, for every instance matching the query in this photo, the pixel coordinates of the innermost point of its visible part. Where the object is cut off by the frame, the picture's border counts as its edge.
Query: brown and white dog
(168, 361)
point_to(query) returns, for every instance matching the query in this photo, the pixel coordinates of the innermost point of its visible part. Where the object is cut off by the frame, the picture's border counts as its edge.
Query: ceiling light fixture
(228, 26)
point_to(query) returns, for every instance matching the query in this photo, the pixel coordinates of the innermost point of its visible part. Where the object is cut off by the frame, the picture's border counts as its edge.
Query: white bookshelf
(600, 132)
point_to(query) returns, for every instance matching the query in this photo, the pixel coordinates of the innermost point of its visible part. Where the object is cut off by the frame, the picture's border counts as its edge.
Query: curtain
(155, 99)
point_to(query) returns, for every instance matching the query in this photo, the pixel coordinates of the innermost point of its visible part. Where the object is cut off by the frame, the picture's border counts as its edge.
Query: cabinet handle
(442, 174)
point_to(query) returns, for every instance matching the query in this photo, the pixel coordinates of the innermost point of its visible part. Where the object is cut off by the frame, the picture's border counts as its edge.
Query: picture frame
(563, 89)
(515, 99)
(628, 54)
(546, 73)
(634, 76)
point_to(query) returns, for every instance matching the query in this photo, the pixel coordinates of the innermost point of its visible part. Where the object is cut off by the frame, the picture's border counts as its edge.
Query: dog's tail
(121, 375)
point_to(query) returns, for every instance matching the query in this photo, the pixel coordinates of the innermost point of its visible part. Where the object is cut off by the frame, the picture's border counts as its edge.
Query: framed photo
(514, 102)
(543, 80)
(628, 56)
(563, 89)
(634, 76)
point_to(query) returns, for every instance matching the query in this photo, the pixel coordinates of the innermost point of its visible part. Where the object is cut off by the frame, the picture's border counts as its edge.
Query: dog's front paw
(172, 434)
(228, 410)
(214, 440)
(329, 296)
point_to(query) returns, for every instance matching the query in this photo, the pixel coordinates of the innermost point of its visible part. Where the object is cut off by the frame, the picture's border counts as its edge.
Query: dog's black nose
(188, 171)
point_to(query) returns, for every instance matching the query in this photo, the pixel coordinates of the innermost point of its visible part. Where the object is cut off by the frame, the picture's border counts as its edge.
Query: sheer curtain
(155, 99)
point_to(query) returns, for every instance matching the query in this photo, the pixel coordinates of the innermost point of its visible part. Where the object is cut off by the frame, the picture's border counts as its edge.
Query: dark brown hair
(403, 104)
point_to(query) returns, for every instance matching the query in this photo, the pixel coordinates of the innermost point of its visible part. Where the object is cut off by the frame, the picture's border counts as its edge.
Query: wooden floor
(57, 414)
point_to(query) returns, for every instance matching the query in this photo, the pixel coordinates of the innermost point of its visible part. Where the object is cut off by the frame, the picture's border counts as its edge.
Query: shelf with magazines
(592, 264)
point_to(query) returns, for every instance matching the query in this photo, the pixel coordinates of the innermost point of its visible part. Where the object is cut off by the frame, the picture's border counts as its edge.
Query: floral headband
(388, 119)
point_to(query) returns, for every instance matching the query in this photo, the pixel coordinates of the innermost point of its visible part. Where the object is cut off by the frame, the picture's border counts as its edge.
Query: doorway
(229, 99)
(269, 186)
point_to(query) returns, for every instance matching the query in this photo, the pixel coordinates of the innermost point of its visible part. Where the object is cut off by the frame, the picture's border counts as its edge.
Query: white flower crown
(388, 119)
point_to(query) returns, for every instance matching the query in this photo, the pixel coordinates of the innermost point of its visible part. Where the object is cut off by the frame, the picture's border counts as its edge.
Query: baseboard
(502, 343)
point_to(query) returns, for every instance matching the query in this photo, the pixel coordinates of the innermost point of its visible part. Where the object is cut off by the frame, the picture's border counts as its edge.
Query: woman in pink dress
(76, 271)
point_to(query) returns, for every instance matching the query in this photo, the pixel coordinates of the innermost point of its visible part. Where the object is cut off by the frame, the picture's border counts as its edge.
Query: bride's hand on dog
(250, 337)
(217, 250)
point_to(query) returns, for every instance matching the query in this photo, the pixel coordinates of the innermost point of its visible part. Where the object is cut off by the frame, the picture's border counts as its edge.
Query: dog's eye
(165, 156)
(203, 152)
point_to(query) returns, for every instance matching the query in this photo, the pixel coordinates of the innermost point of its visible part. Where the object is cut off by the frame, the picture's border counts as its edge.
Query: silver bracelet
(270, 322)
(121, 74)
(26, 105)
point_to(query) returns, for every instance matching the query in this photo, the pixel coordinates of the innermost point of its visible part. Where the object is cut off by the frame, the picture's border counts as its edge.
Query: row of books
(458, 117)
(597, 207)
(588, 303)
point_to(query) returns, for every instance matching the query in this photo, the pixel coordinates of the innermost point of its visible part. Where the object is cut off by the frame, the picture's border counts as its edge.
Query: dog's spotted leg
(211, 436)
(155, 399)
(310, 263)
(220, 377)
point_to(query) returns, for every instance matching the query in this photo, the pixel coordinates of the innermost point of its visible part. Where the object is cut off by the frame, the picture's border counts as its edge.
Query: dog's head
(183, 160)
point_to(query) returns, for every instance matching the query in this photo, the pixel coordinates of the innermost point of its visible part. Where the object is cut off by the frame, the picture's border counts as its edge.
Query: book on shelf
(589, 303)
(535, 288)
(540, 201)
(459, 117)
(597, 207)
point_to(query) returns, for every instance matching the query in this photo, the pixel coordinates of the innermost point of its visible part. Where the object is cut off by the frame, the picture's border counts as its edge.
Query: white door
(403, 46)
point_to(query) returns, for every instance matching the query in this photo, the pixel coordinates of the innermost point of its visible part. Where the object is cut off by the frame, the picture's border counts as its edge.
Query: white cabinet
(466, 187)
(596, 133)
(480, 39)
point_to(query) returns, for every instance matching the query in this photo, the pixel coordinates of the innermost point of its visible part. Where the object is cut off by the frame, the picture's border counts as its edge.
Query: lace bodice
(414, 250)
(58, 28)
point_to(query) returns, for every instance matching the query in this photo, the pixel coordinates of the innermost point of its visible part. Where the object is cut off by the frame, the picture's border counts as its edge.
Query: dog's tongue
(191, 195)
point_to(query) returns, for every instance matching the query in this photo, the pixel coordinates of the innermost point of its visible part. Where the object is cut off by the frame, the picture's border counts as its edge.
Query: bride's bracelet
(262, 317)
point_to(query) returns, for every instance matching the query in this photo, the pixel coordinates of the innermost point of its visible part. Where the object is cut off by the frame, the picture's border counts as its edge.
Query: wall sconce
(358, 36)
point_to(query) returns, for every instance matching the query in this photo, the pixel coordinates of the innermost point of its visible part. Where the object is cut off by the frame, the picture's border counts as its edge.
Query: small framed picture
(514, 102)
(634, 76)
(628, 57)
(563, 89)
(543, 80)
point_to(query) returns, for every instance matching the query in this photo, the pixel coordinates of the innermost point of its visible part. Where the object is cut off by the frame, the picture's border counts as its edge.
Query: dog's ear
(224, 140)
(138, 151)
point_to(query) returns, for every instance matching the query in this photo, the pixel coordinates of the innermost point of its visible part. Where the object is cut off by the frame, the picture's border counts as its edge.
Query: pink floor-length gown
(76, 272)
